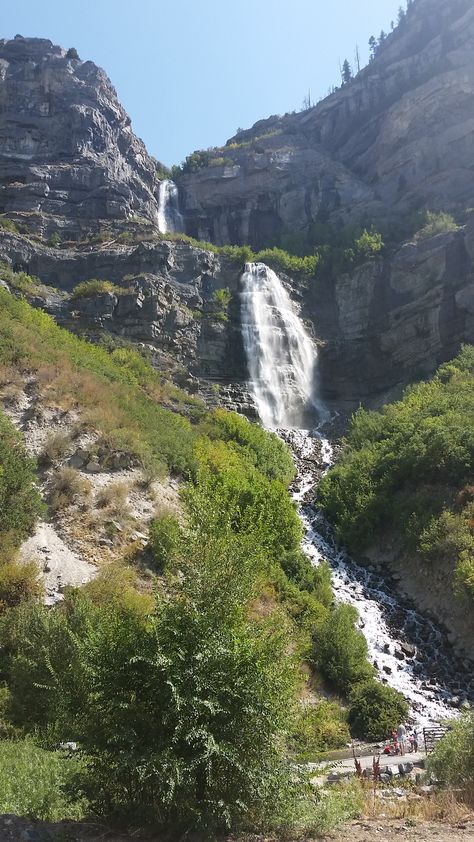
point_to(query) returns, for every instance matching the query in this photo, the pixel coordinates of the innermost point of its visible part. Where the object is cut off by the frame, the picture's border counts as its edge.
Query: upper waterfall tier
(169, 216)
(280, 354)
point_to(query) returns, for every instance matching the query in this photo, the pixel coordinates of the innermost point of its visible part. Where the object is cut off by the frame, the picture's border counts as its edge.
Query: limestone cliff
(397, 138)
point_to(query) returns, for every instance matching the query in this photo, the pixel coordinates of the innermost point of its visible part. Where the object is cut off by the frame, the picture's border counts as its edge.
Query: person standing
(402, 738)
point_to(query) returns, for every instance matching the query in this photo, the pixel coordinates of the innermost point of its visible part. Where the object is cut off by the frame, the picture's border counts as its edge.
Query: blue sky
(189, 72)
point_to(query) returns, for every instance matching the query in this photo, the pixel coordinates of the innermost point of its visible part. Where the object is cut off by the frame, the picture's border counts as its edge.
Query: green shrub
(33, 782)
(89, 289)
(72, 53)
(375, 710)
(279, 259)
(165, 539)
(340, 650)
(221, 300)
(452, 760)
(19, 582)
(8, 225)
(403, 467)
(263, 450)
(54, 240)
(19, 281)
(182, 718)
(318, 728)
(20, 501)
(437, 223)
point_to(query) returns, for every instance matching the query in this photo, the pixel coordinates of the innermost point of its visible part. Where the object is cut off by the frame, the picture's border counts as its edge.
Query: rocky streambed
(409, 650)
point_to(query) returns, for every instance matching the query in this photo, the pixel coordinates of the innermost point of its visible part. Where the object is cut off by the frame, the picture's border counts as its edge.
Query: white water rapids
(169, 217)
(408, 650)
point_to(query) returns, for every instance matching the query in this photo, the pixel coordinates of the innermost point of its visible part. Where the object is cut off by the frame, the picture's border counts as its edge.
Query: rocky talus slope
(397, 138)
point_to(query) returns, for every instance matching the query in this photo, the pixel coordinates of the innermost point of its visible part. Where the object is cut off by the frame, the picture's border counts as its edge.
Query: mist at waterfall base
(169, 216)
(282, 363)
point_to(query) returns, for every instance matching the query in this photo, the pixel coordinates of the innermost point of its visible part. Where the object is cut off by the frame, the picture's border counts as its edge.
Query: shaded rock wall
(394, 320)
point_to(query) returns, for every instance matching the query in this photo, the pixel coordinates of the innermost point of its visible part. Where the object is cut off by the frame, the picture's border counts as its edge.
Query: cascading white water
(281, 356)
(169, 217)
(282, 364)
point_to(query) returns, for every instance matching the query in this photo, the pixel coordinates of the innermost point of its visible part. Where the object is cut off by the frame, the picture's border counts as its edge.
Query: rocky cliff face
(165, 300)
(68, 156)
(394, 320)
(396, 137)
(399, 137)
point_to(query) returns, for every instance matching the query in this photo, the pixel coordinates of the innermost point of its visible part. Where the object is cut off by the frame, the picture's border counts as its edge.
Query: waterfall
(408, 651)
(169, 217)
(281, 356)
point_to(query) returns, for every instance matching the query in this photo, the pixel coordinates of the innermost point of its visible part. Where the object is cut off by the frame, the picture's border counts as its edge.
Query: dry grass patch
(55, 448)
(68, 488)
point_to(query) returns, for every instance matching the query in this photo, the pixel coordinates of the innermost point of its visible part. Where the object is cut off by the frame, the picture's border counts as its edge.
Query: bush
(72, 53)
(19, 582)
(222, 299)
(165, 538)
(340, 650)
(33, 782)
(452, 760)
(279, 259)
(8, 225)
(182, 718)
(437, 223)
(89, 289)
(55, 448)
(20, 501)
(54, 240)
(318, 728)
(68, 488)
(375, 710)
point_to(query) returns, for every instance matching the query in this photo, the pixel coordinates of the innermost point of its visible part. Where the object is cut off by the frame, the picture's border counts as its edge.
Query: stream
(409, 651)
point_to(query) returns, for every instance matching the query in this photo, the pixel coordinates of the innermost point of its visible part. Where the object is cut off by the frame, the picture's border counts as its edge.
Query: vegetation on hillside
(408, 471)
(185, 706)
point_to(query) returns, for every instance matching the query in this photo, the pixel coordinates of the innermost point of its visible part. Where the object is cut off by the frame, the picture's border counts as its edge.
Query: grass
(119, 393)
(33, 782)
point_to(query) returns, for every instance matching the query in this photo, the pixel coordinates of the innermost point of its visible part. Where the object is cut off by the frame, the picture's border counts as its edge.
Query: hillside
(402, 493)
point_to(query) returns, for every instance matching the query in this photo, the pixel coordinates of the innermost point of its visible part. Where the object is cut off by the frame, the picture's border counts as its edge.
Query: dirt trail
(400, 831)
(13, 829)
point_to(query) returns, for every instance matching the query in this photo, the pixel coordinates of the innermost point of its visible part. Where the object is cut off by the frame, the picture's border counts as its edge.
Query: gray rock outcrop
(397, 138)
(68, 156)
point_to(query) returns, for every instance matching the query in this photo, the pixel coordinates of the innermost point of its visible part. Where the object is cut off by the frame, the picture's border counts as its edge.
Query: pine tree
(382, 38)
(401, 15)
(373, 47)
(346, 73)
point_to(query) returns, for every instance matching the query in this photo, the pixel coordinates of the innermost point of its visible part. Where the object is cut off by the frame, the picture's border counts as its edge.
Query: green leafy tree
(375, 710)
(182, 718)
(340, 650)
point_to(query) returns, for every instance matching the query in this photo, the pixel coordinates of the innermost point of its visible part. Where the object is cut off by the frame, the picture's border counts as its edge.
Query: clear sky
(190, 72)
